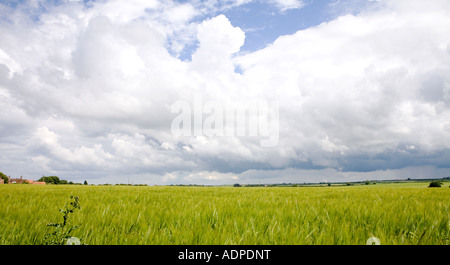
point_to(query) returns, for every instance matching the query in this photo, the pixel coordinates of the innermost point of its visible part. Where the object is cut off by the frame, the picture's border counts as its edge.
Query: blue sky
(88, 89)
(263, 24)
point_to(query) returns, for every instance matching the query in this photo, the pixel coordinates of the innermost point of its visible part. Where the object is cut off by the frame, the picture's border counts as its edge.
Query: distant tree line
(56, 181)
(53, 180)
(48, 180)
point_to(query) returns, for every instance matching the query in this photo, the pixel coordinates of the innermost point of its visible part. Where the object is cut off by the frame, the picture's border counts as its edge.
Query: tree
(237, 185)
(4, 177)
(435, 184)
(85, 182)
(50, 180)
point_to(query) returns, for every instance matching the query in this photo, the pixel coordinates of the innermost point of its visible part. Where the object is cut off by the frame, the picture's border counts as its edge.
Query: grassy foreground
(136, 215)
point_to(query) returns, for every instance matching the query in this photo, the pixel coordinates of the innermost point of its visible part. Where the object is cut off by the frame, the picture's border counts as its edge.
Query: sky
(138, 91)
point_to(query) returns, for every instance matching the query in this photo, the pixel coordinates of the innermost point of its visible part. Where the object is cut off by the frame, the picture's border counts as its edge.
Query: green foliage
(435, 184)
(4, 177)
(50, 180)
(55, 180)
(62, 231)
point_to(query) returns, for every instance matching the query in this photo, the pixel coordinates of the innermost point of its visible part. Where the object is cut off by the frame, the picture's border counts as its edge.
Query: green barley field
(397, 214)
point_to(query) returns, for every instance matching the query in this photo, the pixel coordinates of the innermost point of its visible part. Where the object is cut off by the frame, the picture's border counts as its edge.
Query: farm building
(22, 181)
(36, 182)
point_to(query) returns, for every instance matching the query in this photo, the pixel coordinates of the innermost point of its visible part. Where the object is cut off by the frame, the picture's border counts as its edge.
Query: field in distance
(397, 214)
